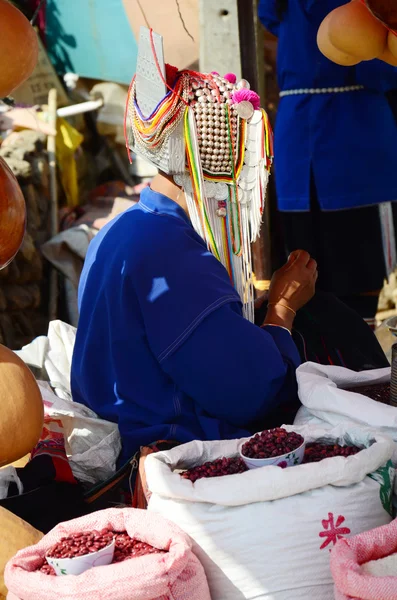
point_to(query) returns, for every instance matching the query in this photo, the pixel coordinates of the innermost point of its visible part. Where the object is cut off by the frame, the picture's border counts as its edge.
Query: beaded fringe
(219, 226)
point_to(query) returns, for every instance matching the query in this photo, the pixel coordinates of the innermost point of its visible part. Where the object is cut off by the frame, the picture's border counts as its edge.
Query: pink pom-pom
(215, 73)
(248, 96)
(230, 77)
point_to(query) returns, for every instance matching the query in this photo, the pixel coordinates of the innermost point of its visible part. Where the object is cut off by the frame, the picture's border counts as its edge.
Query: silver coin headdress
(211, 135)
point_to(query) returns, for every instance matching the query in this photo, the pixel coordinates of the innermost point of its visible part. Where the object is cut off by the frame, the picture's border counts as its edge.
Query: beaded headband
(211, 135)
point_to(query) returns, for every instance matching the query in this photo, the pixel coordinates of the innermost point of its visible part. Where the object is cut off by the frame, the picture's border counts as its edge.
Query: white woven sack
(266, 534)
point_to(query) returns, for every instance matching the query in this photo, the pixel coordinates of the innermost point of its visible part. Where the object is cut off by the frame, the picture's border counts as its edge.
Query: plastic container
(290, 459)
(79, 564)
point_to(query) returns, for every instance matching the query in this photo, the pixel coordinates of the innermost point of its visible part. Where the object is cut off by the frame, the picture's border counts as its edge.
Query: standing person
(336, 159)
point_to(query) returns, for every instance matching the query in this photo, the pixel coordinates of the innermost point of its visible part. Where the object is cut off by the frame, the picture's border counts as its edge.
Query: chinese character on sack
(333, 530)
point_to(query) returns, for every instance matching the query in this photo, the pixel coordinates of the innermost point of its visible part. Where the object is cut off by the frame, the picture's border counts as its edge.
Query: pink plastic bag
(351, 582)
(176, 575)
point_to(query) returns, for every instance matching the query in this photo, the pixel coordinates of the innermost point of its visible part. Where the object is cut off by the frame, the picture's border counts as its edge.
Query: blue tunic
(162, 347)
(347, 140)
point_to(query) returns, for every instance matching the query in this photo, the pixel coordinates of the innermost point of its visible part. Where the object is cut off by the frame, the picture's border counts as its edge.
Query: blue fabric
(162, 347)
(347, 140)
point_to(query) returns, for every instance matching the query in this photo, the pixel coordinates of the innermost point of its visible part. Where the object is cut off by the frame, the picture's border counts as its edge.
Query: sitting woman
(166, 344)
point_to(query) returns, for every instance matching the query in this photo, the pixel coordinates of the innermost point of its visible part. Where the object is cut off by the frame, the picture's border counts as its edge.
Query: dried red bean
(314, 452)
(46, 569)
(80, 544)
(217, 468)
(127, 547)
(380, 392)
(272, 443)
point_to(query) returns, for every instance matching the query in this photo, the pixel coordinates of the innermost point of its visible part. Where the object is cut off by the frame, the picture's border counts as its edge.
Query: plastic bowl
(79, 564)
(290, 459)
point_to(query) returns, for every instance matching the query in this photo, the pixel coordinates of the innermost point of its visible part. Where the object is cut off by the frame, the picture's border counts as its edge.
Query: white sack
(9, 475)
(324, 401)
(92, 444)
(258, 534)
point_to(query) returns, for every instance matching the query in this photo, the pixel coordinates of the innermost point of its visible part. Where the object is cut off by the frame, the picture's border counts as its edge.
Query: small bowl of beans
(273, 447)
(75, 554)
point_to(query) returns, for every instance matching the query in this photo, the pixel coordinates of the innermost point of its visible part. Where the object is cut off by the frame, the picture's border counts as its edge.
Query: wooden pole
(232, 40)
(219, 37)
(51, 149)
(252, 51)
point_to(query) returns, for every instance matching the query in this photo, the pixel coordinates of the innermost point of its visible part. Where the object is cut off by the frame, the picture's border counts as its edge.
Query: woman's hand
(291, 287)
(294, 284)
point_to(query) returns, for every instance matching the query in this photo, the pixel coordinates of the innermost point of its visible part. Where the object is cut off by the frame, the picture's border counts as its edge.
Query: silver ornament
(243, 84)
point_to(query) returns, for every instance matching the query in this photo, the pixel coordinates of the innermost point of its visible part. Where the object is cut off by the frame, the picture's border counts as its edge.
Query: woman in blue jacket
(336, 159)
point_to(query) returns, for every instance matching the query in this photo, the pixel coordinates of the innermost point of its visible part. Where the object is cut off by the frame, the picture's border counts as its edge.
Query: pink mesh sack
(356, 575)
(174, 575)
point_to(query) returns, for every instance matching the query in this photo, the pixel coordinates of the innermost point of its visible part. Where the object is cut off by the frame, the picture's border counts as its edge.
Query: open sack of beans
(364, 567)
(266, 533)
(333, 395)
(151, 559)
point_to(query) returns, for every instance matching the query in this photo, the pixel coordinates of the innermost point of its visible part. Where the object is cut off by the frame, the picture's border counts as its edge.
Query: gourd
(329, 50)
(392, 45)
(16, 535)
(22, 411)
(18, 48)
(12, 214)
(355, 31)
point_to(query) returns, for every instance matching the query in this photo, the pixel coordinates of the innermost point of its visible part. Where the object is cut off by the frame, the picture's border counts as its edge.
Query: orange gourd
(329, 50)
(12, 215)
(353, 30)
(392, 44)
(15, 535)
(388, 56)
(18, 48)
(22, 411)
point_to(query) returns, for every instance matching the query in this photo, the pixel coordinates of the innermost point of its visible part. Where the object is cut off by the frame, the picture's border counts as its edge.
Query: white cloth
(92, 444)
(324, 399)
(383, 567)
(9, 475)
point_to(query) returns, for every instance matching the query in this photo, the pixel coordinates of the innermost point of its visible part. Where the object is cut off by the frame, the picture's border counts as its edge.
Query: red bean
(314, 452)
(217, 468)
(380, 392)
(80, 544)
(271, 443)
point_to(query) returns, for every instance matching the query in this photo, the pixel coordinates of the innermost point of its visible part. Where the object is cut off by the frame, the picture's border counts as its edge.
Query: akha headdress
(211, 135)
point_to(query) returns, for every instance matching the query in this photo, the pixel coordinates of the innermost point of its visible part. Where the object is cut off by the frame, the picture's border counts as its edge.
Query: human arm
(234, 370)
(291, 287)
(268, 16)
(237, 371)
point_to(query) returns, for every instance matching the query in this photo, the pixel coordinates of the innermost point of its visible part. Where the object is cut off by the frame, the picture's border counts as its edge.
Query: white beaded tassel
(216, 225)
(206, 205)
(194, 213)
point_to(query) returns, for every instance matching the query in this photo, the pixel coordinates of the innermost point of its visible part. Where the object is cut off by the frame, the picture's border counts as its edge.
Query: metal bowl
(391, 324)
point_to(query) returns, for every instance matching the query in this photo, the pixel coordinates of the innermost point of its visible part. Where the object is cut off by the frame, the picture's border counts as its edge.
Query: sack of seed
(160, 564)
(266, 533)
(364, 567)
